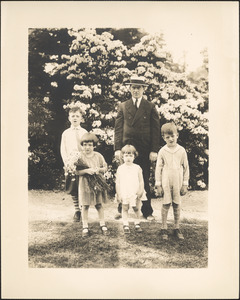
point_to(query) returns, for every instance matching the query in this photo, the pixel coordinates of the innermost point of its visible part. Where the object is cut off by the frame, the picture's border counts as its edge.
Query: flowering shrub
(94, 72)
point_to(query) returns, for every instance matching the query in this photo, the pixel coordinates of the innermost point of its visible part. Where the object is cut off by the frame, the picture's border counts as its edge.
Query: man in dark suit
(137, 123)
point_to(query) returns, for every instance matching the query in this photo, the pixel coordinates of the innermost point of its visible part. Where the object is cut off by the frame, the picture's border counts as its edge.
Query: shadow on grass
(61, 245)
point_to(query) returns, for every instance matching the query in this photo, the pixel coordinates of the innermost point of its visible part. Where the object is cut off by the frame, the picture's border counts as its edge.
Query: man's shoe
(150, 218)
(77, 216)
(178, 234)
(118, 216)
(164, 234)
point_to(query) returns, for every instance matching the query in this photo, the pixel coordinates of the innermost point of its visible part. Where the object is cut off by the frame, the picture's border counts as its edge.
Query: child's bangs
(129, 152)
(88, 141)
(169, 128)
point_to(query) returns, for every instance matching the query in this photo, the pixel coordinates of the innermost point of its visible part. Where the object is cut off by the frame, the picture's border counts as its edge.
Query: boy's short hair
(168, 128)
(74, 109)
(129, 149)
(89, 137)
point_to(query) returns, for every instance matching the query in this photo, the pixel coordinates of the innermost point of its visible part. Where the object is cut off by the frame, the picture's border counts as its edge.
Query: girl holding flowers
(90, 166)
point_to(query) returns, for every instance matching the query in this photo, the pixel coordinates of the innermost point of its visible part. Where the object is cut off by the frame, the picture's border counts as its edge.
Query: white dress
(129, 183)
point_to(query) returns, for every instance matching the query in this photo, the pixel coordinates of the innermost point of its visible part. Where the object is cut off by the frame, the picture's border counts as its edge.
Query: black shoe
(77, 216)
(150, 218)
(118, 216)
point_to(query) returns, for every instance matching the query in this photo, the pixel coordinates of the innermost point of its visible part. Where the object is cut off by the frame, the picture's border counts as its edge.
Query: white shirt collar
(139, 101)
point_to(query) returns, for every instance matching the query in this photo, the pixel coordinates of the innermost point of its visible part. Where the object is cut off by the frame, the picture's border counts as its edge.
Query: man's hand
(159, 190)
(118, 198)
(153, 156)
(183, 190)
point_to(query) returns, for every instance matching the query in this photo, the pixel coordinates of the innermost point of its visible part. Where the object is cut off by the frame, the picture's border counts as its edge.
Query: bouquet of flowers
(95, 182)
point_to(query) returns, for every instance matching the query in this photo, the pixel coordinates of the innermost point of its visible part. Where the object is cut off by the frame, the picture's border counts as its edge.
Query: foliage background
(91, 66)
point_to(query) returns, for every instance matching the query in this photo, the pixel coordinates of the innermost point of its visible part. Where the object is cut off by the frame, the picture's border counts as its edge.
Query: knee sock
(76, 203)
(85, 216)
(125, 217)
(176, 212)
(100, 211)
(137, 214)
(165, 208)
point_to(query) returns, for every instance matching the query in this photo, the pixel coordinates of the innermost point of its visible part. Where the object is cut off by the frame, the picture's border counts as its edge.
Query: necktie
(136, 103)
(77, 138)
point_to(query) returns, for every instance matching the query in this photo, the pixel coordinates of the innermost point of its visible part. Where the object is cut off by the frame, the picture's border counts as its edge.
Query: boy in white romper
(171, 177)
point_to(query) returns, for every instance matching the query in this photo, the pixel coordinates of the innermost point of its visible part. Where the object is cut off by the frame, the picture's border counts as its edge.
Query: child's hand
(90, 171)
(139, 195)
(97, 170)
(183, 190)
(159, 191)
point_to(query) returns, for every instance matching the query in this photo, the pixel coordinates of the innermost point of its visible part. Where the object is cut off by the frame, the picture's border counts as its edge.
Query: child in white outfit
(130, 186)
(171, 176)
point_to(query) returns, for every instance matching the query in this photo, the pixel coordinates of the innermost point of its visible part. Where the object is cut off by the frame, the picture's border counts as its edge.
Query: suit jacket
(140, 128)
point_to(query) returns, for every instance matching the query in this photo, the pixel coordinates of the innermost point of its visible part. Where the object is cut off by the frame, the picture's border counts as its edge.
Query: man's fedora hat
(136, 80)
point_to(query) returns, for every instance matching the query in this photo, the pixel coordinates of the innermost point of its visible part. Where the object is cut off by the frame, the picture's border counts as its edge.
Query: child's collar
(73, 127)
(172, 150)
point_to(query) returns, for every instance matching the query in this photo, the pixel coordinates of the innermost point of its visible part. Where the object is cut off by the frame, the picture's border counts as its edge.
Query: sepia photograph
(118, 166)
(86, 81)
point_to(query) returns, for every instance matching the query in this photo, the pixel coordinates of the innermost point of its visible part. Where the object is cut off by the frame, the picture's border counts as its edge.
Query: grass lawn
(56, 242)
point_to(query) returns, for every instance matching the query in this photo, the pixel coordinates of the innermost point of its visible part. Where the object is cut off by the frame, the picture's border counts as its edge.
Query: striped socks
(76, 203)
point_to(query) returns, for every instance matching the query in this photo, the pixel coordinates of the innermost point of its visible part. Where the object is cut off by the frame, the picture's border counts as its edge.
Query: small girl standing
(91, 192)
(171, 177)
(130, 187)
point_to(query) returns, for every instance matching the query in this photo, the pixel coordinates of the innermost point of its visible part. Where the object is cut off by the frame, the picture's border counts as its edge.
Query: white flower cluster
(106, 135)
(110, 115)
(201, 184)
(82, 106)
(96, 88)
(151, 44)
(96, 123)
(184, 113)
(70, 164)
(94, 112)
(85, 91)
(108, 175)
(33, 157)
(54, 84)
